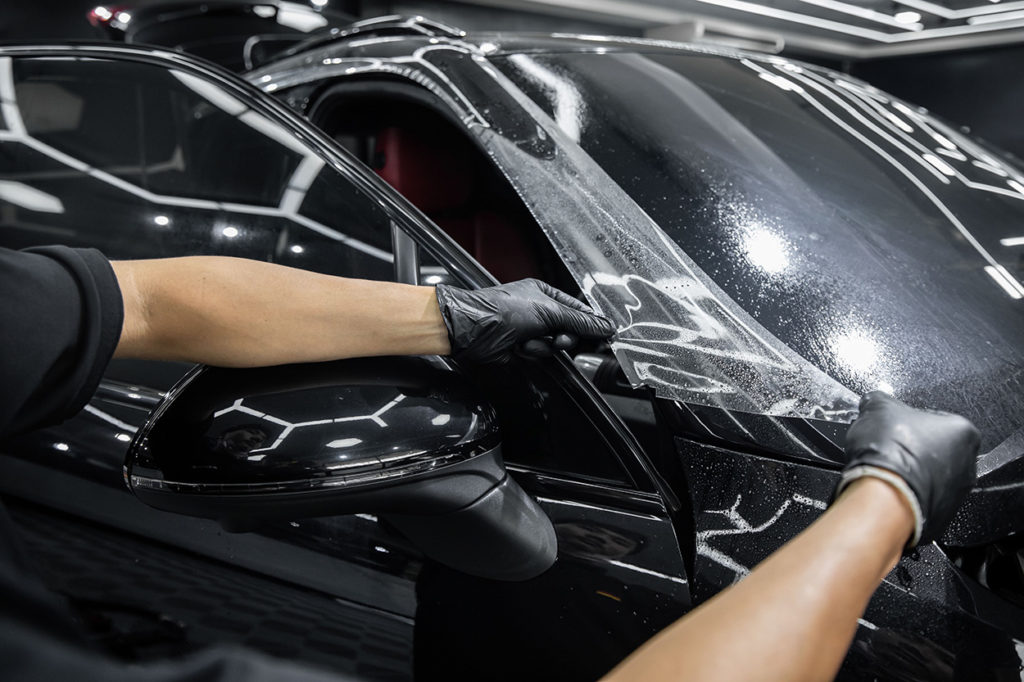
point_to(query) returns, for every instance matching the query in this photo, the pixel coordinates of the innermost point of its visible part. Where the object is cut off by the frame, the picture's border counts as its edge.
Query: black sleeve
(29, 656)
(61, 315)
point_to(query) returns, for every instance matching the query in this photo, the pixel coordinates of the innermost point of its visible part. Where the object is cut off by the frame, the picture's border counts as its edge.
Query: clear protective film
(678, 332)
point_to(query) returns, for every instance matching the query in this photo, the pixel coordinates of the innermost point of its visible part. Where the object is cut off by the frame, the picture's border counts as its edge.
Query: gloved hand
(487, 325)
(932, 455)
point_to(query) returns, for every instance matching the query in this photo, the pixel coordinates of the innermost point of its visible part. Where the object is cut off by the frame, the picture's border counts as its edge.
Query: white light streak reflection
(299, 19)
(344, 443)
(780, 82)
(162, 220)
(230, 232)
(907, 17)
(29, 198)
(63, 447)
(1003, 279)
(940, 164)
(1012, 241)
(567, 100)
(295, 248)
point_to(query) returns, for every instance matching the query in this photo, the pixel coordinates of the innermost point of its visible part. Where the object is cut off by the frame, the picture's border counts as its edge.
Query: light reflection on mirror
(344, 442)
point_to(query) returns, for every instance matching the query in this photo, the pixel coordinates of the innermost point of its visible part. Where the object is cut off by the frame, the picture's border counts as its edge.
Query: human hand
(487, 325)
(932, 455)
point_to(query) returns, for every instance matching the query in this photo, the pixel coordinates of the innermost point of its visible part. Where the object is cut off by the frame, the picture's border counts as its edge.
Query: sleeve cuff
(852, 474)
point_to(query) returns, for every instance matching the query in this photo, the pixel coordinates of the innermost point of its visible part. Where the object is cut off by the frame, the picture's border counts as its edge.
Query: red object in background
(103, 15)
(437, 174)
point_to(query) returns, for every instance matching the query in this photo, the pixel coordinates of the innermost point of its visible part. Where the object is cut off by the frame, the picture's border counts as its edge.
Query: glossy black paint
(714, 492)
(237, 35)
(926, 621)
(340, 425)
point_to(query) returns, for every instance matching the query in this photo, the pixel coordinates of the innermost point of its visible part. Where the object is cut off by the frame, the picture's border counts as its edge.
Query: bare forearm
(794, 616)
(235, 312)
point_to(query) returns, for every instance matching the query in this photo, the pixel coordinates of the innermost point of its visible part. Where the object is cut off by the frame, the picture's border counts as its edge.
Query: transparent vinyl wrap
(678, 332)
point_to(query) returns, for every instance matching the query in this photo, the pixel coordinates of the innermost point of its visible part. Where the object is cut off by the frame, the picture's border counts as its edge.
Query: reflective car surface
(771, 239)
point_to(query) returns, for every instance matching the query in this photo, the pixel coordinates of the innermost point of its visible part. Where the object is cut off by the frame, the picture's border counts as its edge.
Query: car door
(144, 154)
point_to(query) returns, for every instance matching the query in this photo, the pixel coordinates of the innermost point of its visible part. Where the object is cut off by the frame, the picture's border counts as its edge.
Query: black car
(770, 238)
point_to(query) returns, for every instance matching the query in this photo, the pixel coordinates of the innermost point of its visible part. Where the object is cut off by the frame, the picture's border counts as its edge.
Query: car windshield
(874, 241)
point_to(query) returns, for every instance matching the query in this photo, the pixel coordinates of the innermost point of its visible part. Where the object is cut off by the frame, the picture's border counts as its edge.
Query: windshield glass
(869, 238)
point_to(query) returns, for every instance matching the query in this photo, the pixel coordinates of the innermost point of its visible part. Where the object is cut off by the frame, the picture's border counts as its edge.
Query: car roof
(410, 33)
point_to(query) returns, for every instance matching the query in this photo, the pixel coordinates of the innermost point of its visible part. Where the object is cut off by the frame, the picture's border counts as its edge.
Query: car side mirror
(406, 438)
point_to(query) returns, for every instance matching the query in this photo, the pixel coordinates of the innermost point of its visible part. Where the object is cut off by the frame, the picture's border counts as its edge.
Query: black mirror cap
(359, 424)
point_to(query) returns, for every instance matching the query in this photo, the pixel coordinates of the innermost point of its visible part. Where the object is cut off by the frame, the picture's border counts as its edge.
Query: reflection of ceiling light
(766, 250)
(63, 447)
(344, 442)
(103, 13)
(907, 17)
(162, 220)
(1012, 241)
(856, 350)
(123, 437)
(124, 17)
(780, 82)
(441, 419)
(432, 279)
(884, 386)
(939, 163)
(299, 18)
(297, 249)
(1005, 280)
(230, 232)
(30, 198)
(318, 3)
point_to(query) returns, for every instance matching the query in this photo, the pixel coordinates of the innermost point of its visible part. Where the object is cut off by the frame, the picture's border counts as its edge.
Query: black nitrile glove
(529, 316)
(931, 453)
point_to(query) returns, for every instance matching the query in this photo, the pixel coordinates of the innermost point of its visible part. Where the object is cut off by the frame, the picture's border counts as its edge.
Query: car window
(145, 162)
